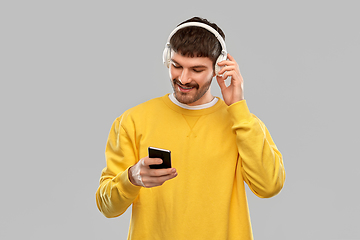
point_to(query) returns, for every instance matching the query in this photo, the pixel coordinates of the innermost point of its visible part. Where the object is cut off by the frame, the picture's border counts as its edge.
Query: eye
(176, 66)
(198, 70)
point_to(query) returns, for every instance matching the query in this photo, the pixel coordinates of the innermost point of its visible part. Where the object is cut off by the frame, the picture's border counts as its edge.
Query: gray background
(69, 68)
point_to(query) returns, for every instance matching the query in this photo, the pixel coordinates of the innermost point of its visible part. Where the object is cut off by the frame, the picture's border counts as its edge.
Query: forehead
(190, 61)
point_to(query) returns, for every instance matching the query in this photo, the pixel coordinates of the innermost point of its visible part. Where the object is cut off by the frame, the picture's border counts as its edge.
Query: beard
(193, 95)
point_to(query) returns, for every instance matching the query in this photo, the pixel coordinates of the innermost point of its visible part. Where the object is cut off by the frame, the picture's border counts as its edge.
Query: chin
(184, 98)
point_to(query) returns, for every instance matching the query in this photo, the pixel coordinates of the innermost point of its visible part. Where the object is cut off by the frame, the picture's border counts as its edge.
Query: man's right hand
(142, 175)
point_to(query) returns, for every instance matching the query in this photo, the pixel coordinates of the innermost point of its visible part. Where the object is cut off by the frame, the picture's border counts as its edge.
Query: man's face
(191, 78)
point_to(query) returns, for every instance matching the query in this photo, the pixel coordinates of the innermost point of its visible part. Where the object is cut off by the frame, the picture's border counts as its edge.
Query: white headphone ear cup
(217, 67)
(166, 56)
(222, 57)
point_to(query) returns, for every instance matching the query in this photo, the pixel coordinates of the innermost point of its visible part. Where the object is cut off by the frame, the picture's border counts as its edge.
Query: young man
(216, 146)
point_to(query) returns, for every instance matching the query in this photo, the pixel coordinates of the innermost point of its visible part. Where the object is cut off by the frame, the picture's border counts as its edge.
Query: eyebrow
(197, 66)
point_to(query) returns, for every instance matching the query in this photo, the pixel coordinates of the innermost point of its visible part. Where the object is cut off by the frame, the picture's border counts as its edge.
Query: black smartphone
(164, 154)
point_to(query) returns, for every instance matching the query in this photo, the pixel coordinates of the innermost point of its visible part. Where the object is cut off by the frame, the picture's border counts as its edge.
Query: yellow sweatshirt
(214, 150)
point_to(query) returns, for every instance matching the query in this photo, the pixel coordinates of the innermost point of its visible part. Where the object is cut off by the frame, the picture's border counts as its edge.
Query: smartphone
(164, 154)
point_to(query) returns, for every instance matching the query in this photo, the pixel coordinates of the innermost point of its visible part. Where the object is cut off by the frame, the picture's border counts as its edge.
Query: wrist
(233, 101)
(134, 174)
(130, 177)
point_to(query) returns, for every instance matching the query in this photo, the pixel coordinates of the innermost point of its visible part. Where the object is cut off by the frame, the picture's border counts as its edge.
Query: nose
(185, 76)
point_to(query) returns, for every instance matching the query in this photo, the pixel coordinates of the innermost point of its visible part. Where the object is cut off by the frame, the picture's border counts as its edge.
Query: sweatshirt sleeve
(260, 161)
(116, 193)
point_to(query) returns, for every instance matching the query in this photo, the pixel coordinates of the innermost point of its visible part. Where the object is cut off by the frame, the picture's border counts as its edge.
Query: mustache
(190, 84)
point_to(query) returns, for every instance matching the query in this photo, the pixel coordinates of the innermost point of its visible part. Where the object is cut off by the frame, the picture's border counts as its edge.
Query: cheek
(172, 73)
(211, 75)
(207, 76)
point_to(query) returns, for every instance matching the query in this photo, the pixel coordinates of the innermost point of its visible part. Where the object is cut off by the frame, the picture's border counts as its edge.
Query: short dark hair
(196, 41)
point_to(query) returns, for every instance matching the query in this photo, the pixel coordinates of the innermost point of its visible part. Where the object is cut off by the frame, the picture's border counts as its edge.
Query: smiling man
(191, 79)
(216, 147)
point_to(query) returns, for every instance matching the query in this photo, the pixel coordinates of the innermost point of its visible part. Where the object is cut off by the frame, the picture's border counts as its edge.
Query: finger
(234, 63)
(227, 68)
(229, 61)
(230, 57)
(231, 74)
(235, 79)
(151, 161)
(161, 172)
(157, 181)
(221, 82)
(226, 62)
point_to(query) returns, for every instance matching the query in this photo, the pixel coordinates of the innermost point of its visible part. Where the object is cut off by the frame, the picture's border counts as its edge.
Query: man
(216, 145)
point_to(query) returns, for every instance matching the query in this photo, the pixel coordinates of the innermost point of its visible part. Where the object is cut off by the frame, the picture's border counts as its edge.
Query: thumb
(221, 82)
(150, 161)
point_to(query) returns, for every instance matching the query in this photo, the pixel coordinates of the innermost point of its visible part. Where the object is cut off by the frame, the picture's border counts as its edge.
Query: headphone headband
(199, 24)
(222, 56)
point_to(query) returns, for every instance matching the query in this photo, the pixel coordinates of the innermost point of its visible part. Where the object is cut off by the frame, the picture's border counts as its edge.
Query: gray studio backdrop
(69, 68)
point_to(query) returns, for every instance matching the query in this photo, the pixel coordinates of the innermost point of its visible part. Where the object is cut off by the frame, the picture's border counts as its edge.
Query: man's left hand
(235, 91)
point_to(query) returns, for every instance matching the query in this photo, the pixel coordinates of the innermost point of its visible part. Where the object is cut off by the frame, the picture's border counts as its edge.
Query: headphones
(222, 56)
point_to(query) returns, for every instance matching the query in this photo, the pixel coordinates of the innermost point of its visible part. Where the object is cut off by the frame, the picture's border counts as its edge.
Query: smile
(184, 89)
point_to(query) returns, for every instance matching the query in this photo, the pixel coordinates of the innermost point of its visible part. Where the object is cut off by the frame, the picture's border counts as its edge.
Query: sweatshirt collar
(197, 107)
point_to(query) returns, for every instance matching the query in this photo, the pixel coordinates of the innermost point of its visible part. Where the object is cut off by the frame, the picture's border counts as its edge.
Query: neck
(195, 107)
